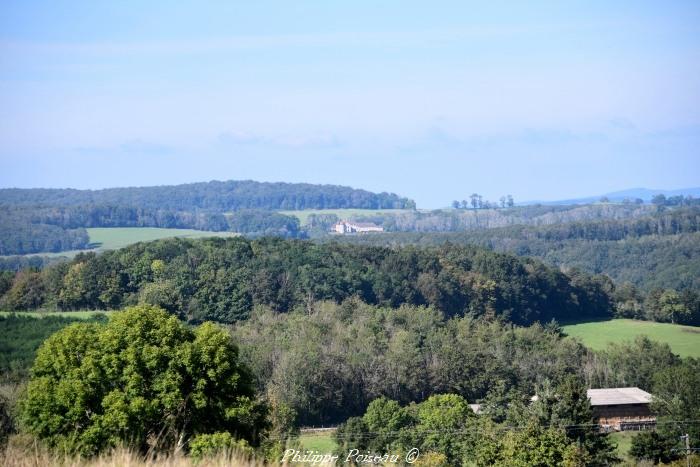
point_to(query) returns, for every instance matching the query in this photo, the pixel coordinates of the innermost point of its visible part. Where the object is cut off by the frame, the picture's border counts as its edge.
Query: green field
(303, 216)
(112, 238)
(318, 441)
(684, 340)
(62, 314)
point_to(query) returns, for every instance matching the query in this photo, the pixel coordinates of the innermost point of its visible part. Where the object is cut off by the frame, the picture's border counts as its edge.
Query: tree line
(677, 200)
(457, 220)
(219, 196)
(223, 279)
(476, 201)
(573, 223)
(18, 237)
(16, 263)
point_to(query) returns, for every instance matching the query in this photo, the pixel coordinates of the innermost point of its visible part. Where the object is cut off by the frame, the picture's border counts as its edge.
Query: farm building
(621, 409)
(344, 227)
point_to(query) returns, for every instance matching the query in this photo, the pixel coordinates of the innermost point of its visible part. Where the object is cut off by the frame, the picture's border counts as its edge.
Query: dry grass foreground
(36, 456)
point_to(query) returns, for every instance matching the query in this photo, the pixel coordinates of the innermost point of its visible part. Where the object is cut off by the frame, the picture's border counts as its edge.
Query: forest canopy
(223, 279)
(657, 250)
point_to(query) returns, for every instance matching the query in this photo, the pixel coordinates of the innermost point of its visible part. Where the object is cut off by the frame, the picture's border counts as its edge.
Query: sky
(430, 100)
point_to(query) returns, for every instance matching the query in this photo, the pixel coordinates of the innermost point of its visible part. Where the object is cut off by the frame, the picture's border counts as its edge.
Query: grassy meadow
(684, 340)
(112, 238)
(321, 441)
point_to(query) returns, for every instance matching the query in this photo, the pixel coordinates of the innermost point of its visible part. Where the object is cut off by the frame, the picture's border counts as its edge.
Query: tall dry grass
(32, 454)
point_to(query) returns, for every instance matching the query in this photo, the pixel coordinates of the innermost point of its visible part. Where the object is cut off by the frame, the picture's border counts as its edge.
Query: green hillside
(684, 340)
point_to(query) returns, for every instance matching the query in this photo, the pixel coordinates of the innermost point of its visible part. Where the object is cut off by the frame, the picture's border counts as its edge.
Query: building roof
(362, 224)
(618, 396)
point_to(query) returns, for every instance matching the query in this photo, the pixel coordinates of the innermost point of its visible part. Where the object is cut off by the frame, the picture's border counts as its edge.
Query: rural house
(621, 409)
(345, 227)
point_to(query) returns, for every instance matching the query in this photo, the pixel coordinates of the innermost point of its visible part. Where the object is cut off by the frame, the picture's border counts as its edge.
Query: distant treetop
(229, 195)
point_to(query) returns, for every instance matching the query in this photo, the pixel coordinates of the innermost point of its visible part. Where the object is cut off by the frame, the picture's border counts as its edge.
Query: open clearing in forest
(684, 340)
(321, 441)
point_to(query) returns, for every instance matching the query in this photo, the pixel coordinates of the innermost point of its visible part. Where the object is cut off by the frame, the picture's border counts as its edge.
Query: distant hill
(645, 194)
(212, 196)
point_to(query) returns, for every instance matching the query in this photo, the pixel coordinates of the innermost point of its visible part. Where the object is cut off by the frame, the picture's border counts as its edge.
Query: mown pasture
(684, 340)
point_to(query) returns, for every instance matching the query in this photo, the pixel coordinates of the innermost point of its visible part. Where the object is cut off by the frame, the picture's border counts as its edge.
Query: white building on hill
(345, 227)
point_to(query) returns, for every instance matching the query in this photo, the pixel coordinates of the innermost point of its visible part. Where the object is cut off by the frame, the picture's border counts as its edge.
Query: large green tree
(566, 407)
(143, 379)
(652, 446)
(676, 400)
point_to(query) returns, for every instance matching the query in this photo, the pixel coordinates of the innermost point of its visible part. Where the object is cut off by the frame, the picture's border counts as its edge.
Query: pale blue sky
(432, 100)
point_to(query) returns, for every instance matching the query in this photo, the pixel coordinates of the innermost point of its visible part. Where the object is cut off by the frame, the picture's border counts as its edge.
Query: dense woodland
(21, 336)
(646, 255)
(390, 335)
(394, 378)
(223, 279)
(18, 262)
(25, 238)
(212, 196)
(394, 342)
(560, 223)
(331, 363)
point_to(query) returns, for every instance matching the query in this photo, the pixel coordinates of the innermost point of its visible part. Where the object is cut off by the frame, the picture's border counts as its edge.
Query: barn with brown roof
(622, 409)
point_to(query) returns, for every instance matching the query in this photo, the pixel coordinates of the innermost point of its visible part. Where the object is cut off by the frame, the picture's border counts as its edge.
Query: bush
(212, 444)
(432, 459)
(144, 380)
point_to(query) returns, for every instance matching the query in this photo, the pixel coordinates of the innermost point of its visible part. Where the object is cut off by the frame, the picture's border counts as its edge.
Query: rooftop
(618, 396)
(361, 224)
